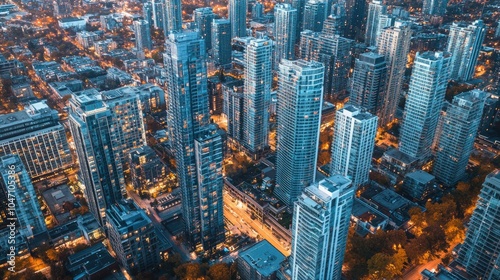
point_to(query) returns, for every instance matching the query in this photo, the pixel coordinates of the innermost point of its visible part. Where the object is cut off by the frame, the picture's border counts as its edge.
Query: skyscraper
(456, 142)
(355, 18)
(257, 96)
(375, 9)
(300, 100)
(188, 108)
(37, 136)
(233, 109)
(16, 187)
(353, 143)
(142, 34)
(173, 16)
(334, 52)
(425, 99)
(257, 10)
(159, 15)
(394, 44)
(368, 83)
(464, 44)
(126, 112)
(237, 11)
(334, 25)
(480, 251)
(319, 229)
(209, 156)
(314, 15)
(101, 171)
(203, 18)
(299, 6)
(285, 21)
(434, 7)
(221, 41)
(147, 12)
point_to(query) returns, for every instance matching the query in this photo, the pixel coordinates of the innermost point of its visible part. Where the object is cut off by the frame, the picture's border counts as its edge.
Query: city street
(240, 218)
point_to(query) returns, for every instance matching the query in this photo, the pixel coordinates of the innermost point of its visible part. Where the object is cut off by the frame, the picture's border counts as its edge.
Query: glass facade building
(285, 28)
(101, 170)
(257, 94)
(196, 154)
(300, 100)
(15, 183)
(369, 83)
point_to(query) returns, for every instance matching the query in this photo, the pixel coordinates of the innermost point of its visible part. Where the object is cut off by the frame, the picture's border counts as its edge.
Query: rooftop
(126, 216)
(263, 257)
(420, 176)
(400, 156)
(31, 112)
(70, 19)
(90, 260)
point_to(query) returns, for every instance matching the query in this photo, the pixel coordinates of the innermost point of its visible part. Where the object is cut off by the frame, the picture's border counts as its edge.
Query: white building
(353, 143)
(428, 83)
(464, 43)
(300, 100)
(319, 229)
(72, 22)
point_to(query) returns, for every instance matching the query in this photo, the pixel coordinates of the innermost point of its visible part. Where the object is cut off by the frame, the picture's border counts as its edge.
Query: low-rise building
(73, 23)
(37, 136)
(133, 237)
(91, 263)
(398, 163)
(83, 229)
(389, 203)
(86, 39)
(103, 47)
(23, 91)
(146, 169)
(67, 87)
(366, 218)
(418, 184)
(260, 262)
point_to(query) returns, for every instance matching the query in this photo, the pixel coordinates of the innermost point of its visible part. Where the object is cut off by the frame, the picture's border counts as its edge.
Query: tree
(436, 238)
(455, 231)
(379, 266)
(219, 271)
(190, 270)
(417, 217)
(400, 259)
(418, 250)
